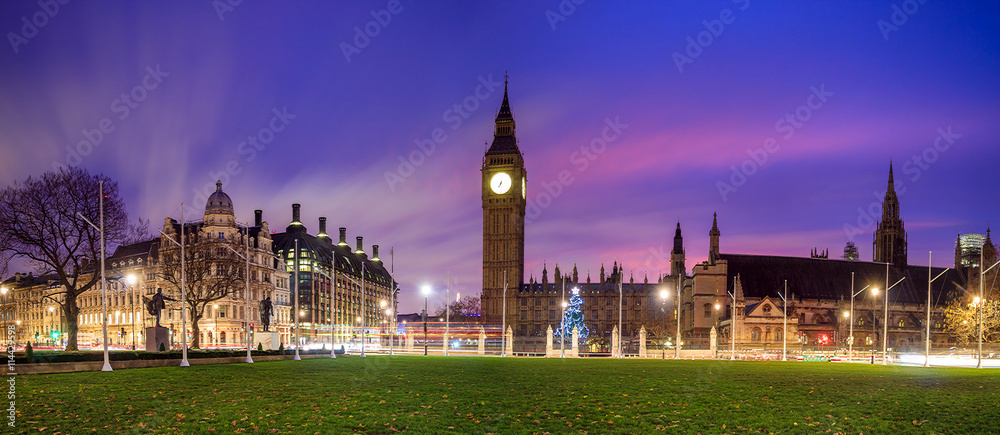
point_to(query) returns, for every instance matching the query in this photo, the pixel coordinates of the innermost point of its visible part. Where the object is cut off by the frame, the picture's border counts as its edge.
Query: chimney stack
(295, 213)
(361, 249)
(375, 253)
(343, 236)
(322, 226)
(257, 218)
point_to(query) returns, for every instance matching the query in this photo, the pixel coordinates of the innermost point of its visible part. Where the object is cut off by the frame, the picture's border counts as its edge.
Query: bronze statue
(157, 304)
(266, 307)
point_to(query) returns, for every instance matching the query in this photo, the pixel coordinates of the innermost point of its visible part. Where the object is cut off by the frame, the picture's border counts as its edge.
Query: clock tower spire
(504, 183)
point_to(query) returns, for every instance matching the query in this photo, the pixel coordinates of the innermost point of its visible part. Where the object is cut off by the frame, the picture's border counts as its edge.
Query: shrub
(29, 353)
(163, 347)
(281, 347)
(260, 347)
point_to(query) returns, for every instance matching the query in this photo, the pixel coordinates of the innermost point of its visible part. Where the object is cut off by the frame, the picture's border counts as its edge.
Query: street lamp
(503, 321)
(562, 329)
(664, 295)
(104, 281)
(131, 298)
(850, 339)
(427, 291)
(52, 323)
(885, 321)
(184, 347)
(217, 344)
(381, 305)
(982, 277)
(927, 338)
(732, 322)
(246, 292)
(784, 323)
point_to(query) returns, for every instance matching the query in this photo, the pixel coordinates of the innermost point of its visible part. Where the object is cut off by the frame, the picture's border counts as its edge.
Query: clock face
(500, 183)
(524, 189)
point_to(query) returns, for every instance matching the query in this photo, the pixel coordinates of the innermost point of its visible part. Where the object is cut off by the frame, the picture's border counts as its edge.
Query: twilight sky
(822, 93)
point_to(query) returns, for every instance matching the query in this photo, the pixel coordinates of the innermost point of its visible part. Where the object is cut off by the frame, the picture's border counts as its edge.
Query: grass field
(415, 394)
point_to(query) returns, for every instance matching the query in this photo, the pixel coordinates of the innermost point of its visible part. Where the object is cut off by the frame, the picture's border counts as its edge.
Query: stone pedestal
(642, 342)
(548, 342)
(482, 341)
(409, 340)
(714, 346)
(268, 340)
(509, 350)
(156, 335)
(574, 344)
(614, 342)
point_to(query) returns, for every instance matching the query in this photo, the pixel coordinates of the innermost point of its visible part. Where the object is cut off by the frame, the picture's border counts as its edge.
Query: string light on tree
(573, 318)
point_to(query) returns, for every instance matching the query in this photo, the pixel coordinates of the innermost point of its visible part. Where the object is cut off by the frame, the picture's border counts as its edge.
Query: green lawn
(419, 394)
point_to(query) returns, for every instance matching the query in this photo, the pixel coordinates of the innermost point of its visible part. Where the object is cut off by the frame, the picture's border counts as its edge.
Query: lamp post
(885, 318)
(621, 299)
(295, 313)
(184, 359)
(246, 292)
(927, 340)
(390, 322)
(104, 281)
(131, 297)
(427, 292)
(664, 295)
(677, 314)
(982, 301)
(732, 323)
(52, 325)
(503, 321)
(6, 312)
(216, 315)
(784, 323)
(850, 339)
(382, 311)
(562, 322)
(363, 296)
(447, 312)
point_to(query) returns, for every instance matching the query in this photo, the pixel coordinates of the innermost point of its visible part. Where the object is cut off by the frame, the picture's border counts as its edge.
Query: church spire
(505, 118)
(889, 244)
(713, 250)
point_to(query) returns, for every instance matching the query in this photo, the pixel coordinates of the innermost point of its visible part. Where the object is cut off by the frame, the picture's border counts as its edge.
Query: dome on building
(219, 202)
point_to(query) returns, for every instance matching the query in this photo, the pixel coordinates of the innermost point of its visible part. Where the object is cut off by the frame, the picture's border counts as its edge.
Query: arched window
(901, 323)
(708, 310)
(755, 335)
(779, 335)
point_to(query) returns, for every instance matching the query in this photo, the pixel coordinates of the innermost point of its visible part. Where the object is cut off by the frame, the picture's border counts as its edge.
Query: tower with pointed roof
(713, 248)
(504, 187)
(889, 244)
(677, 254)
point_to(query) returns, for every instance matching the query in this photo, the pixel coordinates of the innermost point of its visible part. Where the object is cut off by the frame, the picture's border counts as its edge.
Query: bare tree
(464, 311)
(211, 272)
(659, 320)
(40, 222)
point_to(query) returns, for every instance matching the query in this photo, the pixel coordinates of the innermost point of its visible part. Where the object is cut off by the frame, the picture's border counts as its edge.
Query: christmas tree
(573, 318)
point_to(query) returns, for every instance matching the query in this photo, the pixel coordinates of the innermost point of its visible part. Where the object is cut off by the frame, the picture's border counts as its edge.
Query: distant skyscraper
(889, 245)
(968, 248)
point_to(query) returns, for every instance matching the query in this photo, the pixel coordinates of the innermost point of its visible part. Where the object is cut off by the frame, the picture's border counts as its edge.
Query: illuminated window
(901, 324)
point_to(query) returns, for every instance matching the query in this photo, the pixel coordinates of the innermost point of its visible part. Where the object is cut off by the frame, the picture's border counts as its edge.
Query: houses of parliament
(819, 288)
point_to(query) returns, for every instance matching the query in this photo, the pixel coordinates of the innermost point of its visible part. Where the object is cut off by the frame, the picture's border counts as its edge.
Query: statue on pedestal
(266, 308)
(155, 305)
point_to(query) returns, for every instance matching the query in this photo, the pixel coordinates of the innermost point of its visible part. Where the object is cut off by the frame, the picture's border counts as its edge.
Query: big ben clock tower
(504, 187)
